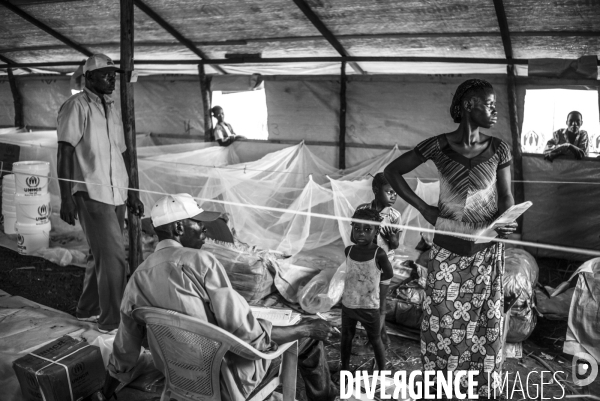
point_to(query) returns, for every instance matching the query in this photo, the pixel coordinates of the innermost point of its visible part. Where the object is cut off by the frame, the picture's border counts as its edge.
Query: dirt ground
(59, 287)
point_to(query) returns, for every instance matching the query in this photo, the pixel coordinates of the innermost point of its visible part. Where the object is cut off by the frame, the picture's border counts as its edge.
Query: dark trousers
(105, 279)
(312, 364)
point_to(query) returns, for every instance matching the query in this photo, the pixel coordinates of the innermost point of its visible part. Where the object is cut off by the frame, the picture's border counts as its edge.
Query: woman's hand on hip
(431, 214)
(506, 230)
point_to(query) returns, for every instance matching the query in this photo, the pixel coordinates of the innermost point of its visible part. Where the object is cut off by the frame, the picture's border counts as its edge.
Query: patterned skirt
(463, 318)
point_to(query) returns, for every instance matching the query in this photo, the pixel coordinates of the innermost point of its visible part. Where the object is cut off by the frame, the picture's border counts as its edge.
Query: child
(389, 237)
(385, 197)
(223, 131)
(368, 276)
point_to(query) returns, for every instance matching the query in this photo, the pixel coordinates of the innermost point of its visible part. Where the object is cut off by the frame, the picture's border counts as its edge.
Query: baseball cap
(100, 61)
(177, 207)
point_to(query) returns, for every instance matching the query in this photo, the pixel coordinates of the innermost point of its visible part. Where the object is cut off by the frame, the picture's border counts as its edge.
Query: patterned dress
(463, 318)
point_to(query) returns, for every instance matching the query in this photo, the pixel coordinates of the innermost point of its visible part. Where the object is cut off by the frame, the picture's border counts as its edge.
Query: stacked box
(65, 369)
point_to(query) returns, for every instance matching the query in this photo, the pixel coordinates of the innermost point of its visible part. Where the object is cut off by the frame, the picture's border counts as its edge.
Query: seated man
(223, 131)
(179, 276)
(568, 140)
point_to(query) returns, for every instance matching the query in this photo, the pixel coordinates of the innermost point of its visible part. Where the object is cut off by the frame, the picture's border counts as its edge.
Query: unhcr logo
(43, 211)
(78, 369)
(32, 181)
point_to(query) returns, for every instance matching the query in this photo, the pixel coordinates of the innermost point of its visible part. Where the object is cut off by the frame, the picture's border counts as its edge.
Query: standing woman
(462, 327)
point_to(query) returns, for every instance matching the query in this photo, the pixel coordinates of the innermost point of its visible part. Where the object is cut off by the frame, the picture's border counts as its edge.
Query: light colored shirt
(223, 131)
(559, 144)
(99, 142)
(192, 282)
(361, 290)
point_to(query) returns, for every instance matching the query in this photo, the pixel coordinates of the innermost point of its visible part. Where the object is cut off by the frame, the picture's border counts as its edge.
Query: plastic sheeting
(563, 213)
(583, 332)
(519, 281)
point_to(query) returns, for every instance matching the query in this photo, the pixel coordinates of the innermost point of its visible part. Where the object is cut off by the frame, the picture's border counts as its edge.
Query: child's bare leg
(384, 336)
(348, 333)
(379, 350)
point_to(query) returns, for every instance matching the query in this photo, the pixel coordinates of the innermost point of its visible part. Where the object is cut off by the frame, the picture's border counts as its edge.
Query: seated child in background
(389, 237)
(368, 276)
(385, 197)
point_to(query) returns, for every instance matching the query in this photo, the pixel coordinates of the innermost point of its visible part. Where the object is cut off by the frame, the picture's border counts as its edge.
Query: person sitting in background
(223, 131)
(568, 140)
(179, 276)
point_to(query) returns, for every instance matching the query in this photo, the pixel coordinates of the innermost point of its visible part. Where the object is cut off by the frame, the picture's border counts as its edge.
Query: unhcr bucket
(31, 178)
(31, 238)
(8, 181)
(10, 218)
(33, 210)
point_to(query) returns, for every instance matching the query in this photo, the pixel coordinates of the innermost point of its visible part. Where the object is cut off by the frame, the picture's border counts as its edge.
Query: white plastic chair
(190, 352)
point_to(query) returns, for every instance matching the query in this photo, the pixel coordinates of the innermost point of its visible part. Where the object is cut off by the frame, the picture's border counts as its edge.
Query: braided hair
(467, 87)
(379, 181)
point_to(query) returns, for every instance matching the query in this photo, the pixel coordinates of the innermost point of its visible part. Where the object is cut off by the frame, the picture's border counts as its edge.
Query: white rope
(346, 219)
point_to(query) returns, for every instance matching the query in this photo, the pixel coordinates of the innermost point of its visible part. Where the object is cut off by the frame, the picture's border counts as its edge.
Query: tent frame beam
(504, 31)
(327, 34)
(243, 42)
(342, 137)
(283, 60)
(128, 116)
(46, 28)
(174, 32)
(206, 102)
(18, 101)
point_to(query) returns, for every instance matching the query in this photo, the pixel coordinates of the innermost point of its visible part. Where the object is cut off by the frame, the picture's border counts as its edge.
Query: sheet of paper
(279, 317)
(512, 214)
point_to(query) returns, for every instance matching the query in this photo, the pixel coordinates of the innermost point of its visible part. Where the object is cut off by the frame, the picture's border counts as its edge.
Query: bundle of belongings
(583, 332)
(520, 278)
(405, 299)
(250, 270)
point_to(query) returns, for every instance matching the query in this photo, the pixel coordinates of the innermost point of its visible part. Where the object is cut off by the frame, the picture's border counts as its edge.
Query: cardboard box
(65, 369)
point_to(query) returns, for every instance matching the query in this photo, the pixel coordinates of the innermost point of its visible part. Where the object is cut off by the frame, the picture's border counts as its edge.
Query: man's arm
(134, 203)
(553, 149)
(68, 209)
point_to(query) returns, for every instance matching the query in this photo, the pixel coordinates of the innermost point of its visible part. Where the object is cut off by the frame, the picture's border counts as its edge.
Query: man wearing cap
(92, 152)
(180, 276)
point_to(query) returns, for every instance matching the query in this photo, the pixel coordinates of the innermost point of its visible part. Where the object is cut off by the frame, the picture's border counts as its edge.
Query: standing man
(568, 140)
(92, 152)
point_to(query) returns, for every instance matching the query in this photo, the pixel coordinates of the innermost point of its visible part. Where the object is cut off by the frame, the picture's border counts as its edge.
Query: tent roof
(485, 31)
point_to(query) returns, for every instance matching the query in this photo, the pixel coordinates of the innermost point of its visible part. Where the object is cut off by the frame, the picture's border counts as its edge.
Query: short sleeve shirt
(98, 138)
(223, 130)
(467, 186)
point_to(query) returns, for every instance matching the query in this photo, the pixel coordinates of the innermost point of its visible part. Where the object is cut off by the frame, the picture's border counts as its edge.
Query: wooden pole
(342, 139)
(518, 187)
(128, 114)
(206, 103)
(19, 120)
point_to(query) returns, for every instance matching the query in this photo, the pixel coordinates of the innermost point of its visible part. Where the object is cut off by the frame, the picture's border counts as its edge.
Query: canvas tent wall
(382, 111)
